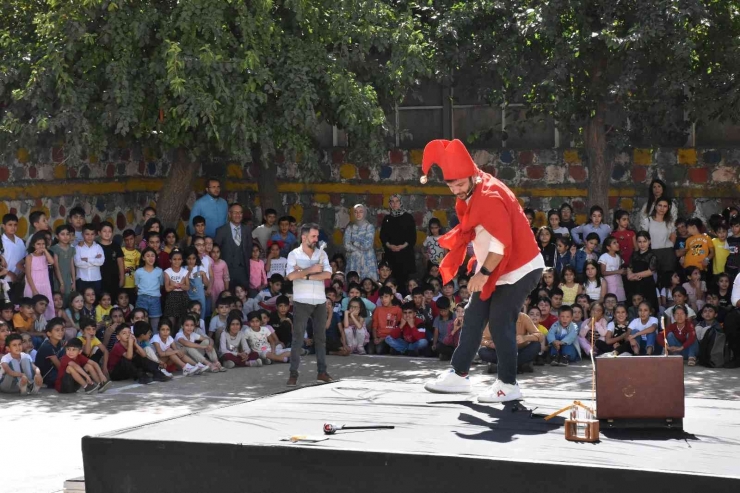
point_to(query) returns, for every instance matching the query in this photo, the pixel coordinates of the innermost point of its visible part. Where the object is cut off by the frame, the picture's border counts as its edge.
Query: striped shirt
(307, 291)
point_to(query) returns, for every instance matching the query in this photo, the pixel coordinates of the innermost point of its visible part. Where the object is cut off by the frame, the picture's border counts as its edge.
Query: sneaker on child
(229, 364)
(91, 388)
(449, 382)
(500, 392)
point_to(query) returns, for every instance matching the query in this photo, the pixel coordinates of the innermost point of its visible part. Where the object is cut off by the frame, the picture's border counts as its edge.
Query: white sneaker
(500, 392)
(188, 370)
(200, 368)
(165, 372)
(449, 383)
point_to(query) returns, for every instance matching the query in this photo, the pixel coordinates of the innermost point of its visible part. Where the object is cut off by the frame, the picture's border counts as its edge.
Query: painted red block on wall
(698, 175)
(396, 156)
(639, 174)
(578, 173)
(535, 172)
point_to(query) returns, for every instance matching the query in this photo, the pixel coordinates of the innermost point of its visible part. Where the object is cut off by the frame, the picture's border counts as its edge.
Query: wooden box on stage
(641, 391)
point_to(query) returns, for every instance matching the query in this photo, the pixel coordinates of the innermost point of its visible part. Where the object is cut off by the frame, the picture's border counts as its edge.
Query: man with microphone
(308, 268)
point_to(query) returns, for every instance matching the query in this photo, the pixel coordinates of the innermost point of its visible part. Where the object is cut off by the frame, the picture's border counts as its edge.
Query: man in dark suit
(235, 240)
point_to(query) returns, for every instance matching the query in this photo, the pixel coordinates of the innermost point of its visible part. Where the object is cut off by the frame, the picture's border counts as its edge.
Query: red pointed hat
(451, 156)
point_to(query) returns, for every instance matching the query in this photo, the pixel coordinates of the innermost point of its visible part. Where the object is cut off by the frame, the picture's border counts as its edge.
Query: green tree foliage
(612, 73)
(203, 78)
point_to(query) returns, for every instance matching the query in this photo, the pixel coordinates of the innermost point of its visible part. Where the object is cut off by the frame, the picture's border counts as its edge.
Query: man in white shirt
(14, 251)
(308, 268)
(89, 257)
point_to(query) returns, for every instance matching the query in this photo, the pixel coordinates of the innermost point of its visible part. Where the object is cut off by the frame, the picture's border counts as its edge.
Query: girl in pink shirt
(257, 274)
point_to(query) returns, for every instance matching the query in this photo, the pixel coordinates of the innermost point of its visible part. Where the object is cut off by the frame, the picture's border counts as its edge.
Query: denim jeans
(11, 385)
(568, 351)
(152, 305)
(301, 313)
(690, 352)
(502, 309)
(402, 346)
(646, 341)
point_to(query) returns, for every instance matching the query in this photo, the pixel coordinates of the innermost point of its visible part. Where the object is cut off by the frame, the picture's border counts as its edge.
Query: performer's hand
(476, 283)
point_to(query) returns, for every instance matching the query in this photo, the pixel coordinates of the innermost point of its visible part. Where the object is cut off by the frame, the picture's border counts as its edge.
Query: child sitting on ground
(92, 348)
(196, 346)
(600, 325)
(164, 345)
(76, 371)
(443, 325)
(642, 330)
(561, 338)
(355, 331)
(234, 348)
(618, 333)
(28, 346)
(18, 374)
(680, 337)
(263, 342)
(50, 352)
(336, 341)
(409, 337)
(129, 361)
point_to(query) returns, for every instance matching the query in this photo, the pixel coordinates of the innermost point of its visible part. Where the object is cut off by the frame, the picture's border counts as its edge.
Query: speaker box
(640, 392)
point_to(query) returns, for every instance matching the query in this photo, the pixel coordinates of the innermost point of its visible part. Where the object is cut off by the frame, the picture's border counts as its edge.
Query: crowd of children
(80, 308)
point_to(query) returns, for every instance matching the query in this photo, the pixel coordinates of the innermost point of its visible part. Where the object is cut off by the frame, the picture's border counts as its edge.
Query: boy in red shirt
(385, 319)
(75, 371)
(409, 337)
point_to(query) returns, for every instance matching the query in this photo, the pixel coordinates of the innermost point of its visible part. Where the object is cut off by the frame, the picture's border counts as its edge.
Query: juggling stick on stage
(330, 429)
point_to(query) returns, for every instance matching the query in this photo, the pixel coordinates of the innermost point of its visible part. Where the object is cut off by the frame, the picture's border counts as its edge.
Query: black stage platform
(441, 443)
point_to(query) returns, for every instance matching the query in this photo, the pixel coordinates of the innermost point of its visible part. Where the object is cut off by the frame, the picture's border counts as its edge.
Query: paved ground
(43, 433)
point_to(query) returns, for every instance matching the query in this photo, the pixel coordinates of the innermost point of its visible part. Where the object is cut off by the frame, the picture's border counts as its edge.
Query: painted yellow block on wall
(571, 156)
(60, 172)
(234, 171)
(348, 171)
(296, 210)
(338, 237)
(687, 157)
(22, 155)
(416, 156)
(642, 157)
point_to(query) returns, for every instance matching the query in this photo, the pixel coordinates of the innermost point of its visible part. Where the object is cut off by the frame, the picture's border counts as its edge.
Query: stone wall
(118, 185)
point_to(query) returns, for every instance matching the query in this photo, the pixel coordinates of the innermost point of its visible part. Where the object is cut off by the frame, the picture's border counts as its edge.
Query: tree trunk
(267, 183)
(599, 161)
(176, 188)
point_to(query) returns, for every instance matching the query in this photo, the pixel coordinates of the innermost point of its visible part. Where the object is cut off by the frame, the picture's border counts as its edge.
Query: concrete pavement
(41, 435)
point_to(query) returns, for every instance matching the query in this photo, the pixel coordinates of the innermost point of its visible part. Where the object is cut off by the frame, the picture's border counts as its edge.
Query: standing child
(198, 281)
(594, 285)
(14, 251)
(624, 234)
(732, 265)
(113, 268)
(176, 284)
(642, 330)
(131, 261)
(611, 268)
(149, 279)
(546, 242)
(586, 253)
(234, 348)
(443, 326)
(355, 331)
(89, 257)
(553, 220)
(38, 261)
(566, 216)
(164, 346)
(171, 239)
(257, 273)
(595, 225)
(220, 282)
(643, 266)
(18, 374)
(275, 263)
(64, 261)
(433, 253)
(721, 249)
(699, 246)
(563, 255)
(549, 279)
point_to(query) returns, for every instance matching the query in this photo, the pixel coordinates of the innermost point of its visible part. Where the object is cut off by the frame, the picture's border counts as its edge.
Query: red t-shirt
(115, 355)
(547, 323)
(81, 360)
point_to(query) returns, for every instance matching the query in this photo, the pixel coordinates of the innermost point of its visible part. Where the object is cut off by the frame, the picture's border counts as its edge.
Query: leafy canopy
(209, 76)
(645, 62)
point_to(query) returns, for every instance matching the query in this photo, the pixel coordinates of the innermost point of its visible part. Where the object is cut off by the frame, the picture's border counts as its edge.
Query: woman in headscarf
(398, 235)
(359, 239)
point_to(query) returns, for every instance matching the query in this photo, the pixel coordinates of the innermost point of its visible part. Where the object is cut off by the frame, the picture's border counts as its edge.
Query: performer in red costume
(509, 266)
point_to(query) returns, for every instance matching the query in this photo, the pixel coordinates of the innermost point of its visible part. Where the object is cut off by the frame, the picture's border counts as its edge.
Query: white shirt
(206, 263)
(258, 339)
(660, 232)
(278, 266)
(164, 345)
(636, 326)
(194, 336)
(669, 314)
(735, 296)
(484, 243)
(307, 291)
(15, 251)
(177, 277)
(89, 270)
(8, 360)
